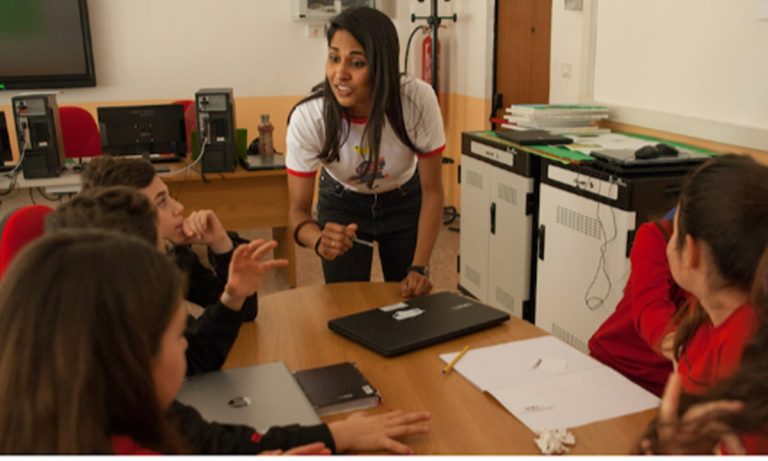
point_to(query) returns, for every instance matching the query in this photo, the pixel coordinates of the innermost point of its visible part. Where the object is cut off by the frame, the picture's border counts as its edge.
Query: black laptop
(532, 137)
(418, 322)
(263, 162)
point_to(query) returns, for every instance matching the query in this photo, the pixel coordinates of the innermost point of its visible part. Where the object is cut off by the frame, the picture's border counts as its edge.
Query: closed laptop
(259, 396)
(417, 322)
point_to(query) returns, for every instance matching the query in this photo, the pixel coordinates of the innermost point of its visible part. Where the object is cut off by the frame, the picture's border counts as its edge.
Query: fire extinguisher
(426, 59)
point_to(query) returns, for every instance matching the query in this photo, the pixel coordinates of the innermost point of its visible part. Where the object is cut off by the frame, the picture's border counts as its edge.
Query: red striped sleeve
(437, 151)
(301, 174)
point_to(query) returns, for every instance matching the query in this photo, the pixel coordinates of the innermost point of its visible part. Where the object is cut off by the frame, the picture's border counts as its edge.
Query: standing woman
(378, 136)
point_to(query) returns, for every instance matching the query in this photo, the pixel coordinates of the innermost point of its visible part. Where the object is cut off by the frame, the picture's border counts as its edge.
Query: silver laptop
(260, 396)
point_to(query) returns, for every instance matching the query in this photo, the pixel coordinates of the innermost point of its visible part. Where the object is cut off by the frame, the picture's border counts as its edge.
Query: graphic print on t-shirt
(365, 168)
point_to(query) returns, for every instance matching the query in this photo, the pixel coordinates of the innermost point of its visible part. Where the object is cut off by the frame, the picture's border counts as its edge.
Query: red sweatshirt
(714, 352)
(628, 340)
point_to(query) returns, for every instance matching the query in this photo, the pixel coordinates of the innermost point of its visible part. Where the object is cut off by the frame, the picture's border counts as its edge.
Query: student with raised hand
(127, 210)
(205, 287)
(636, 339)
(377, 137)
(720, 233)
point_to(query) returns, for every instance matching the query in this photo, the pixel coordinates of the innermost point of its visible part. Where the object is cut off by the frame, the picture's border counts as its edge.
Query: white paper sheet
(574, 399)
(547, 384)
(512, 363)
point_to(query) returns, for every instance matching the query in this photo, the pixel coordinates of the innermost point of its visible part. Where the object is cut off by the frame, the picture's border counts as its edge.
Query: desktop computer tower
(38, 131)
(216, 125)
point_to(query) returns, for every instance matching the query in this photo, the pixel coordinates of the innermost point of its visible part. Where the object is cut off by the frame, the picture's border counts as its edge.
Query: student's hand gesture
(336, 239)
(317, 448)
(246, 270)
(415, 284)
(699, 431)
(204, 227)
(362, 432)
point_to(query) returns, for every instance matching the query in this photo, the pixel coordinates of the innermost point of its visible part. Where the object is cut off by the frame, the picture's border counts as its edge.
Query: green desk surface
(565, 155)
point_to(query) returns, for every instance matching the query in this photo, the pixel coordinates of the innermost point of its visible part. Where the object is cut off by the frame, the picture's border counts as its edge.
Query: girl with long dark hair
(377, 138)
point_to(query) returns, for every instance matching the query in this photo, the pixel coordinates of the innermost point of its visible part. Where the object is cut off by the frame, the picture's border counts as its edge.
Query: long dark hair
(82, 315)
(378, 36)
(724, 203)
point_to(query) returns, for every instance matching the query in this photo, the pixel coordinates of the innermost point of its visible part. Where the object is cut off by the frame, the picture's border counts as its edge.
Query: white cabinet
(582, 263)
(496, 228)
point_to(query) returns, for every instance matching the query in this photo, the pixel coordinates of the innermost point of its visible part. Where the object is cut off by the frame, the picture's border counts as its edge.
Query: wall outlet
(566, 70)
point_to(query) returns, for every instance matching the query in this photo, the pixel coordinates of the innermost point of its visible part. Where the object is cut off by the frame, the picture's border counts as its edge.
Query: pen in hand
(363, 242)
(458, 357)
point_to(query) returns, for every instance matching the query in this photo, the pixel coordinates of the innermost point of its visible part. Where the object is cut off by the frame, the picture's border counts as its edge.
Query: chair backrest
(19, 228)
(190, 119)
(79, 132)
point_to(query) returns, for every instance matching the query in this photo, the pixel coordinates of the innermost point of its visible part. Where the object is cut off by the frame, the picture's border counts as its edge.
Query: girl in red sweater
(720, 232)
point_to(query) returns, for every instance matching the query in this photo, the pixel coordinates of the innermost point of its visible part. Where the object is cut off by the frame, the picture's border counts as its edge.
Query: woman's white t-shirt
(397, 163)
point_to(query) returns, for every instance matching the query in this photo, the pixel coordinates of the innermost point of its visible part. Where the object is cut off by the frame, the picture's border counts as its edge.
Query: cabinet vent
(474, 179)
(566, 336)
(579, 222)
(507, 194)
(472, 275)
(505, 299)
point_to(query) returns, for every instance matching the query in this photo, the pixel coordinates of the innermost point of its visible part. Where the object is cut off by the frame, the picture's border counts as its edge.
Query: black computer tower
(216, 126)
(39, 135)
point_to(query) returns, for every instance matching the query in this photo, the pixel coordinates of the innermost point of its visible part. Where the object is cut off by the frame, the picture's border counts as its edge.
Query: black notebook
(417, 322)
(337, 388)
(532, 137)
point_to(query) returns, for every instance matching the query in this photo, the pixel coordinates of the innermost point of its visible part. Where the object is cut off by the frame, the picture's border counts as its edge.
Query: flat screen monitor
(5, 143)
(45, 44)
(156, 132)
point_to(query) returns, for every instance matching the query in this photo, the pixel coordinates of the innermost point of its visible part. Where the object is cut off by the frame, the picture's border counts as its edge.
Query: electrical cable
(188, 167)
(595, 302)
(408, 45)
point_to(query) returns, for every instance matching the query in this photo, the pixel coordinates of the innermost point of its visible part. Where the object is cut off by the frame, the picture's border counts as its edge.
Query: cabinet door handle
(493, 218)
(542, 233)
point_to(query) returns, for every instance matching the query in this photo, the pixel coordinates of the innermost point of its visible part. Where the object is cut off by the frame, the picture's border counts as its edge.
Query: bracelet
(298, 228)
(317, 247)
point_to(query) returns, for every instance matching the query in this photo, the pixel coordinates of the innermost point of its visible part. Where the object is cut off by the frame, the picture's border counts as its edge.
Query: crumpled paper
(554, 441)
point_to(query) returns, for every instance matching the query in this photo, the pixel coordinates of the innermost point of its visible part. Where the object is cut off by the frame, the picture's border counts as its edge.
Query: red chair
(19, 228)
(190, 119)
(79, 133)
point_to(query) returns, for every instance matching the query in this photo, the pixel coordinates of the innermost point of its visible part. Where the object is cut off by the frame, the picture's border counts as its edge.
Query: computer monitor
(5, 145)
(156, 132)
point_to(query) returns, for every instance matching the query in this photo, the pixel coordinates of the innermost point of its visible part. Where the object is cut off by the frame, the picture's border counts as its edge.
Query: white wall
(168, 49)
(694, 67)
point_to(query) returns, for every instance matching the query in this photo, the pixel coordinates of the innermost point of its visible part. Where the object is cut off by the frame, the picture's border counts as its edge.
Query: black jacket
(207, 438)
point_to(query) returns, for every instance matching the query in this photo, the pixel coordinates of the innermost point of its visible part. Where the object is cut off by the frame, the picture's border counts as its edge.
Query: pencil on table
(458, 357)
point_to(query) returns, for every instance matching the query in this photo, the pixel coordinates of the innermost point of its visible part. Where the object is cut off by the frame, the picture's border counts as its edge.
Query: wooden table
(242, 200)
(292, 327)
